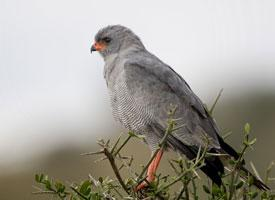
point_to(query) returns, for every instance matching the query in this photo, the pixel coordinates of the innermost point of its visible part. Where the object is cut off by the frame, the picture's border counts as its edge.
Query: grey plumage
(142, 88)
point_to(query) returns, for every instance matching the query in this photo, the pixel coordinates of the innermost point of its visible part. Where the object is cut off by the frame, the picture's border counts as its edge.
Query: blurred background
(54, 103)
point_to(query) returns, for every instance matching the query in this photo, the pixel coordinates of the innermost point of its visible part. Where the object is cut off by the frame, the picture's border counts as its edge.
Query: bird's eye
(107, 39)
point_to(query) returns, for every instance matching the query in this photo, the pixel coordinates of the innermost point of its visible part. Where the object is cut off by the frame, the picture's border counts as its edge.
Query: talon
(144, 184)
(141, 186)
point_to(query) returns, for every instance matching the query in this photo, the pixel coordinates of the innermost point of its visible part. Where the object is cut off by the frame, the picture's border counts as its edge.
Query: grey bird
(142, 88)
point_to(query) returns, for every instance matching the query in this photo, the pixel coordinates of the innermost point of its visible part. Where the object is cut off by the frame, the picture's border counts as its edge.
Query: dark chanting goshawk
(142, 88)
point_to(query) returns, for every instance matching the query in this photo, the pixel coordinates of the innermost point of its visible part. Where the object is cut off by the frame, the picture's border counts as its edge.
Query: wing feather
(155, 86)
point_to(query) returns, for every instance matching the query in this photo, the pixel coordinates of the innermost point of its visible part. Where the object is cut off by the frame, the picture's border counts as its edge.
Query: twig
(44, 192)
(194, 188)
(115, 169)
(215, 102)
(114, 147)
(78, 193)
(185, 185)
(255, 171)
(181, 193)
(128, 165)
(226, 135)
(269, 168)
(120, 195)
(123, 144)
(236, 166)
(92, 153)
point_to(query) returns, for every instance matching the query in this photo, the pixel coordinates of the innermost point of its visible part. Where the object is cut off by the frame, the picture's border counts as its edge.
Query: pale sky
(51, 86)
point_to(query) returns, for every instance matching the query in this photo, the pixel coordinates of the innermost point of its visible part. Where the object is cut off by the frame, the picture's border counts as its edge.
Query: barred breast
(124, 107)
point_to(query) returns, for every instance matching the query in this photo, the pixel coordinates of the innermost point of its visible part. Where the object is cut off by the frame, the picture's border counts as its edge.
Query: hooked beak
(93, 48)
(98, 46)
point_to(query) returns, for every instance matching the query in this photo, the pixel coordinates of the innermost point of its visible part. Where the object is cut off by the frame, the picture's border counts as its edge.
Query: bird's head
(114, 39)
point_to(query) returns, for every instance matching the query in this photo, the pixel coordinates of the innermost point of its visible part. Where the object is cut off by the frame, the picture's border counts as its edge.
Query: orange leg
(151, 171)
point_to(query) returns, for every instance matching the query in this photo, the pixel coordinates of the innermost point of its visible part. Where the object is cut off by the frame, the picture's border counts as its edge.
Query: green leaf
(264, 195)
(239, 185)
(247, 128)
(60, 188)
(129, 181)
(215, 190)
(100, 179)
(48, 184)
(85, 187)
(132, 134)
(252, 141)
(37, 178)
(254, 195)
(41, 178)
(88, 191)
(95, 196)
(45, 177)
(206, 189)
(232, 162)
(250, 180)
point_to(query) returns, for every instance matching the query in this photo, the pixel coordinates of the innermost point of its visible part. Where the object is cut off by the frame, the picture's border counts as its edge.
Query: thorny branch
(102, 189)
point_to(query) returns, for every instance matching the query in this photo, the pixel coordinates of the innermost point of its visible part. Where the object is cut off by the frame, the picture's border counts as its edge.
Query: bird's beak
(98, 46)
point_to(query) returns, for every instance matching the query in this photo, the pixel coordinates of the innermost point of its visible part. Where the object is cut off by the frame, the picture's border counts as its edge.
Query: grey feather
(142, 88)
(155, 86)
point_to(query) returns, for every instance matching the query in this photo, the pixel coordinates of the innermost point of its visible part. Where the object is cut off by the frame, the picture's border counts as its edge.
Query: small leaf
(41, 177)
(129, 181)
(60, 188)
(100, 179)
(132, 134)
(264, 195)
(254, 195)
(252, 141)
(239, 185)
(215, 190)
(84, 188)
(250, 180)
(37, 178)
(88, 191)
(247, 128)
(45, 177)
(232, 162)
(48, 184)
(206, 189)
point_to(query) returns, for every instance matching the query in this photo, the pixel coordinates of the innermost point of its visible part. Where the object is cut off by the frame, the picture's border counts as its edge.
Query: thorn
(92, 153)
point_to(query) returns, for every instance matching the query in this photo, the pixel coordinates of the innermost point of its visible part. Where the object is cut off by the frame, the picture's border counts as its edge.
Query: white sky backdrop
(51, 87)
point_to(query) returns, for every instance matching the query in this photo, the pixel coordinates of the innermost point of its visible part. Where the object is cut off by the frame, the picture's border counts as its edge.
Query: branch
(215, 102)
(78, 193)
(115, 169)
(123, 144)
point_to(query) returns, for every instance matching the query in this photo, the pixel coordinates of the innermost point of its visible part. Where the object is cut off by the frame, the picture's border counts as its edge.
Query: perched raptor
(142, 88)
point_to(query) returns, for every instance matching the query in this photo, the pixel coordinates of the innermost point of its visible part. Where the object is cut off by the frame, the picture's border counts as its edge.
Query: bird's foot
(145, 184)
(151, 172)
